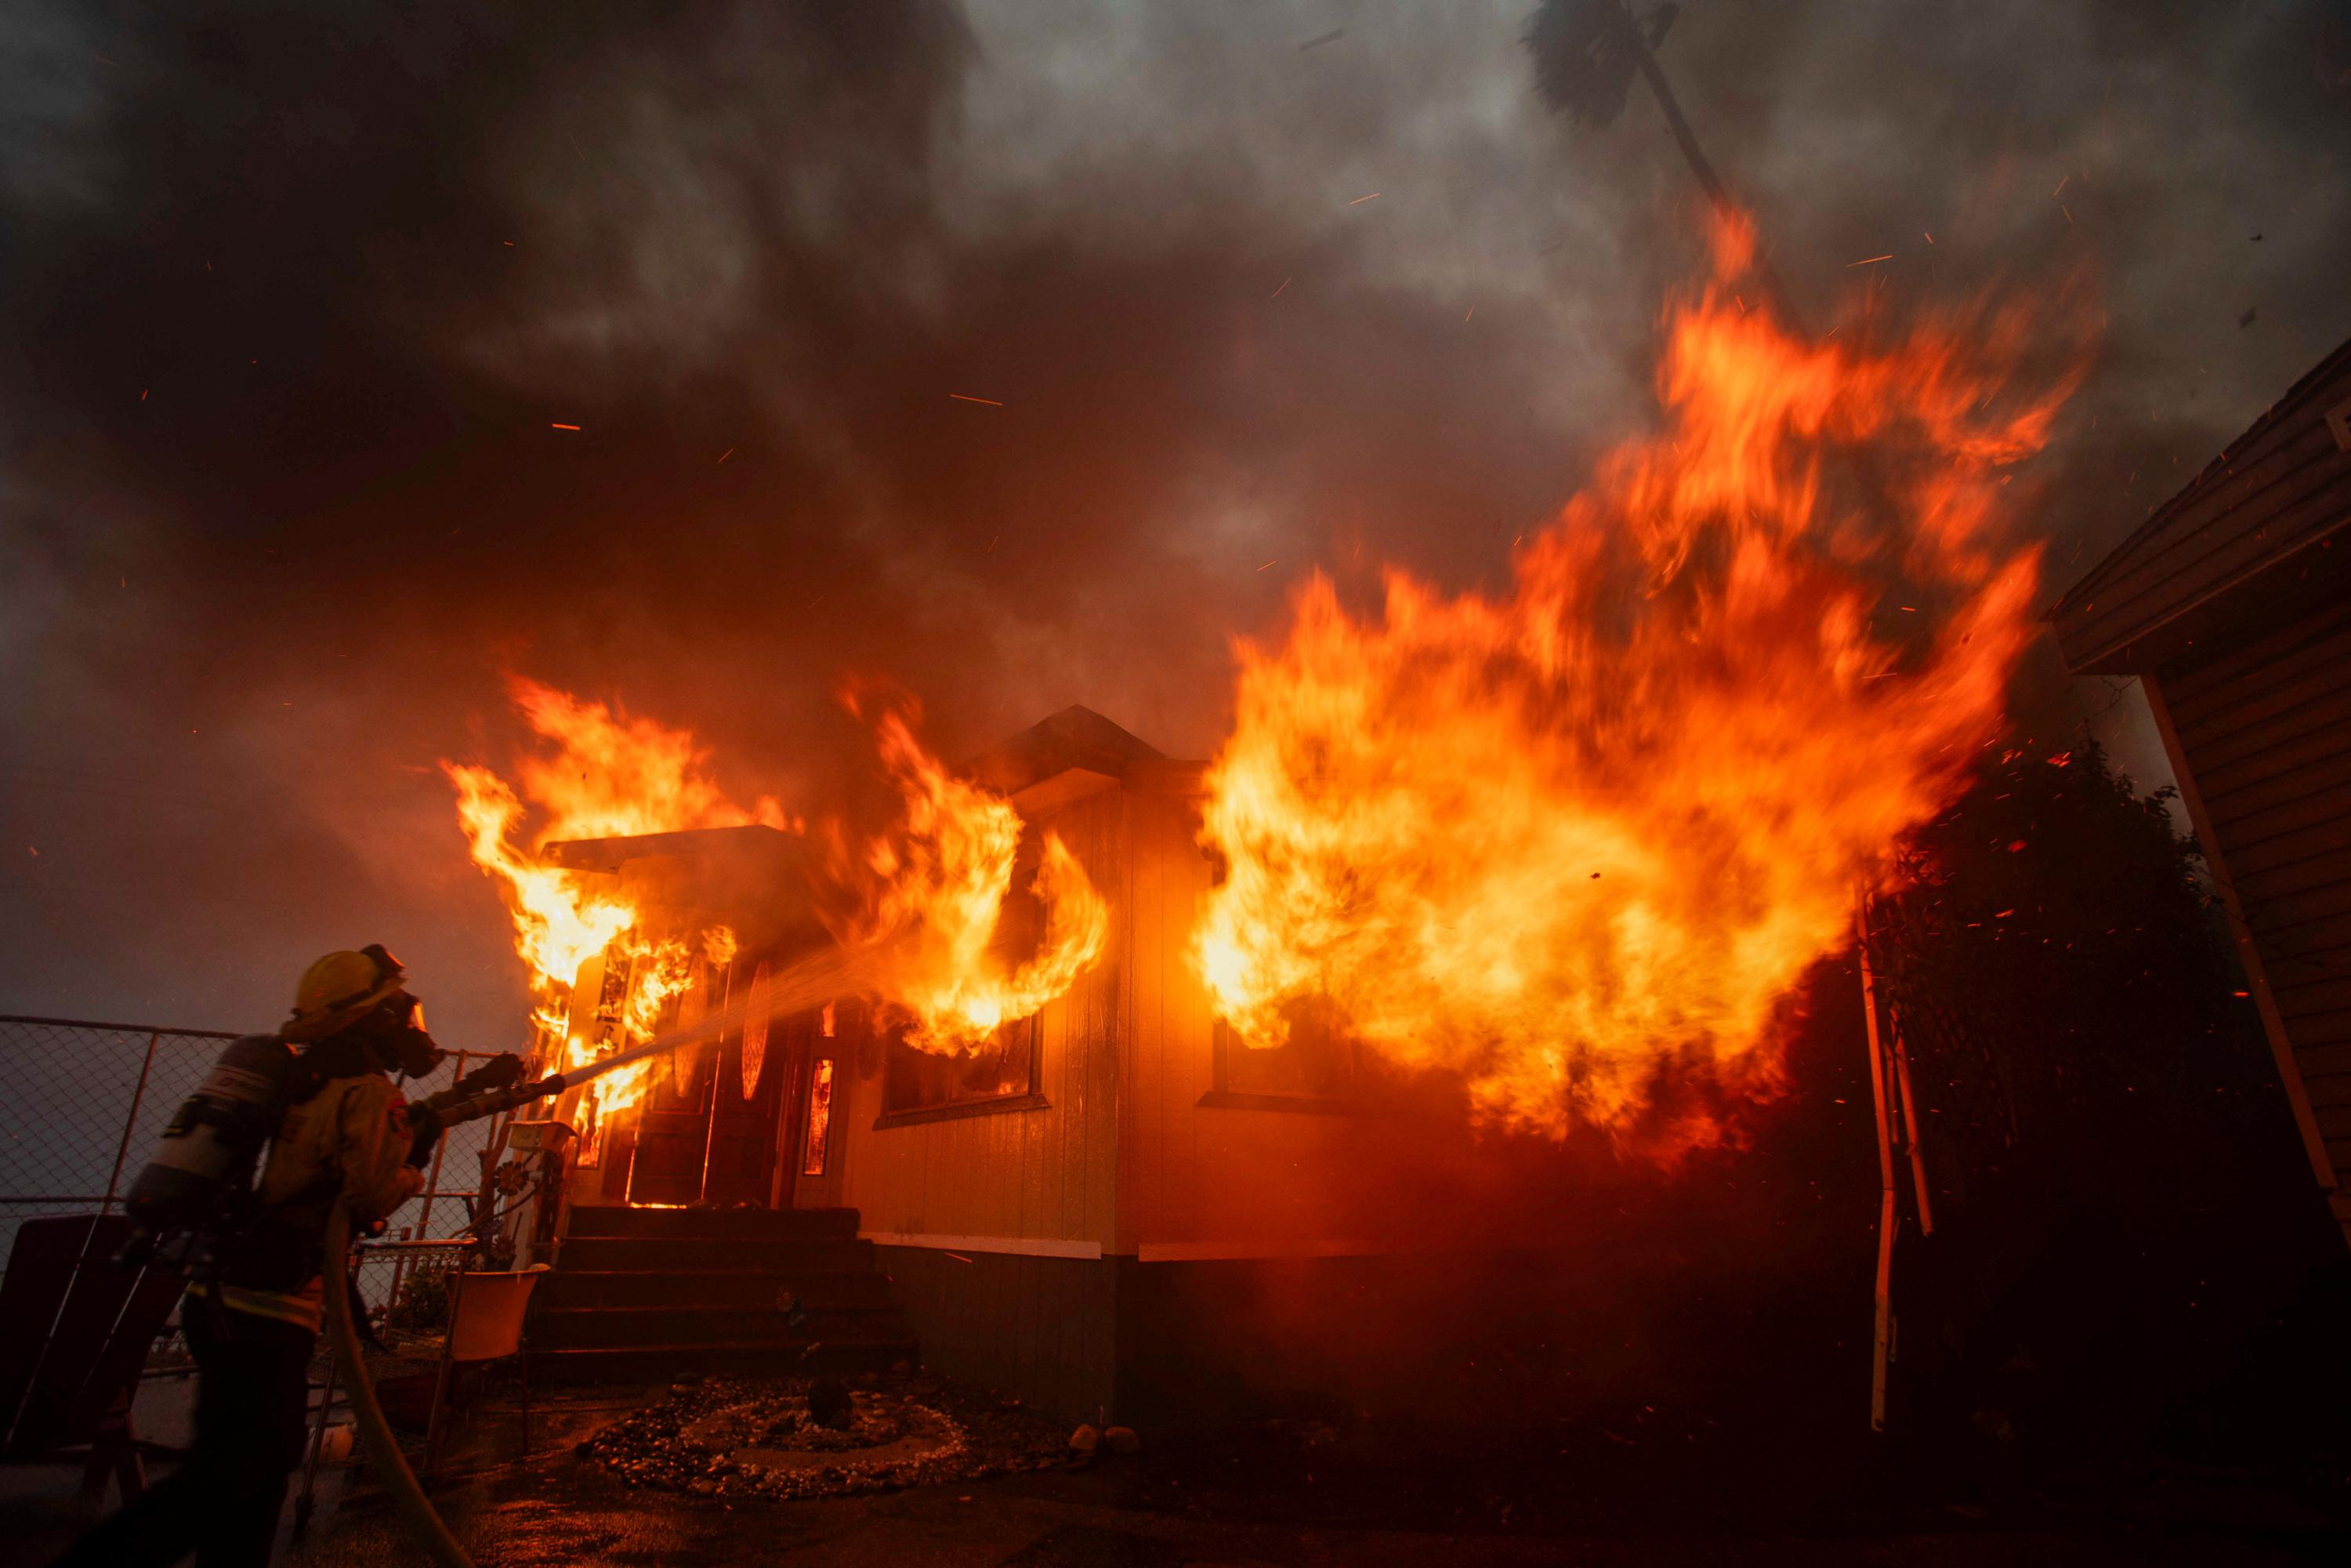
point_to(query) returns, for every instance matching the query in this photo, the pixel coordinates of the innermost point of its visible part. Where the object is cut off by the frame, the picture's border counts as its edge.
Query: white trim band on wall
(1210, 1251)
(1020, 1245)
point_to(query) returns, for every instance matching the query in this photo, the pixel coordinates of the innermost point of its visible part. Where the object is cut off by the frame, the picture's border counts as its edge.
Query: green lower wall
(1040, 1330)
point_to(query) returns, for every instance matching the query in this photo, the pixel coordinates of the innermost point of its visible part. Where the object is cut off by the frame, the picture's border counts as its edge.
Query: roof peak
(1076, 737)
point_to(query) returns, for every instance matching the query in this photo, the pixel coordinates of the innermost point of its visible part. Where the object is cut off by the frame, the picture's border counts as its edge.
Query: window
(1000, 1073)
(613, 992)
(820, 1116)
(1314, 1070)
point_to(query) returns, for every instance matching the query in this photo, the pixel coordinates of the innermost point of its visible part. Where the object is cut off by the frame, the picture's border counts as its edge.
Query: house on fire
(1073, 1214)
(2233, 606)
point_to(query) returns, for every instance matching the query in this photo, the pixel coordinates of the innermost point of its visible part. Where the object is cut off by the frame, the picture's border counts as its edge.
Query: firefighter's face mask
(397, 1027)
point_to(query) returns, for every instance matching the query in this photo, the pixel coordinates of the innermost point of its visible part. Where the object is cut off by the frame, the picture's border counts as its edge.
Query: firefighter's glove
(423, 1131)
(504, 1070)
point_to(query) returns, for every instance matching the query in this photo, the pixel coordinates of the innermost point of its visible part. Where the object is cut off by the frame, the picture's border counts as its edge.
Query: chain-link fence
(82, 1104)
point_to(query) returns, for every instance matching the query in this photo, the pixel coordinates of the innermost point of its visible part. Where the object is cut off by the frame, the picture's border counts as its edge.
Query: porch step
(741, 1224)
(648, 1293)
(706, 1254)
(587, 1328)
(743, 1289)
(651, 1362)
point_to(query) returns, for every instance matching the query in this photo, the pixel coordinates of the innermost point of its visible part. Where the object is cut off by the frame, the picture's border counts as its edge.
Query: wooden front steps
(644, 1293)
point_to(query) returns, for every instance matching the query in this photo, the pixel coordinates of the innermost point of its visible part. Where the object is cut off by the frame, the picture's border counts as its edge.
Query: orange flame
(937, 894)
(1577, 844)
(606, 775)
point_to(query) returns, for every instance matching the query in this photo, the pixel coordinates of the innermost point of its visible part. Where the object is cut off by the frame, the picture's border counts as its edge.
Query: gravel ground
(1299, 1496)
(724, 1436)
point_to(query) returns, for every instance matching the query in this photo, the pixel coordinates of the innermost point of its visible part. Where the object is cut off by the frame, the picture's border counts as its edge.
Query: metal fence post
(130, 1125)
(398, 1272)
(422, 1229)
(440, 1147)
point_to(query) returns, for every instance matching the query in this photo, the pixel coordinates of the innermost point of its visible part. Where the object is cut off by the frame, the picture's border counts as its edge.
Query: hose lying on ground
(382, 1449)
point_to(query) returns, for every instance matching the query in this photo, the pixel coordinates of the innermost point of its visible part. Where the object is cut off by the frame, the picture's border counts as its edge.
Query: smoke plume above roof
(1024, 354)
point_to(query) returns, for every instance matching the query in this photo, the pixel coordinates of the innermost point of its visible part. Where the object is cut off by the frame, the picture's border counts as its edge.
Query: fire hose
(375, 1434)
(193, 1194)
(376, 1441)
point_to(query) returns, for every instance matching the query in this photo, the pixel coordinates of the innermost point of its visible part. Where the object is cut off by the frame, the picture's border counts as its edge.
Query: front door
(673, 1121)
(674, 1129)
(756, 1065)
(715, 1114)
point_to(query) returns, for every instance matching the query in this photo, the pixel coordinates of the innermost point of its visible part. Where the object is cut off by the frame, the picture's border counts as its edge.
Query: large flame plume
(937, 889)
(1577, 842)
(603, 774)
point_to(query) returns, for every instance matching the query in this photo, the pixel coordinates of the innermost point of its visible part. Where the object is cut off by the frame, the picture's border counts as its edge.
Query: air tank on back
(214, 1138)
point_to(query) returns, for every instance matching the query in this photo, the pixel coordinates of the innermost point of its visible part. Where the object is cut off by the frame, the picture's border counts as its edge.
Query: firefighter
(346, 1135)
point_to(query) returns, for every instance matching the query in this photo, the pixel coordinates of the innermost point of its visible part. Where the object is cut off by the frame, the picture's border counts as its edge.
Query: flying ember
(1576, 842)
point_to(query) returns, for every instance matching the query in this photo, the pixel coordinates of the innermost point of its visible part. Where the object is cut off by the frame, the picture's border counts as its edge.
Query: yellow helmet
(339, 988)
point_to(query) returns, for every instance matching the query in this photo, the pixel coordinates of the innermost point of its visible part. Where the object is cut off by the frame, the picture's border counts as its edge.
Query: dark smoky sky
(296, 293)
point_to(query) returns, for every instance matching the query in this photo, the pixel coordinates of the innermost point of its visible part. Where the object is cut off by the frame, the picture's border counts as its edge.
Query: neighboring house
(1071, 1215)
(2233, 606)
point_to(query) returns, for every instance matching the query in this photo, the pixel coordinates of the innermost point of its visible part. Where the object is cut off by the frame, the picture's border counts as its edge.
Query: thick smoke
(298, 297)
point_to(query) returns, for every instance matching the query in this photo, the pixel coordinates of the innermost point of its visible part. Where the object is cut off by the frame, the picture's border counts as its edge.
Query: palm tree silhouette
(1586, 52)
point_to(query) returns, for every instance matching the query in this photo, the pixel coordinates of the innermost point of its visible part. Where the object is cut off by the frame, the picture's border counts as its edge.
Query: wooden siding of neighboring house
(2276, 493)
(2233, 602)
(2261, 740)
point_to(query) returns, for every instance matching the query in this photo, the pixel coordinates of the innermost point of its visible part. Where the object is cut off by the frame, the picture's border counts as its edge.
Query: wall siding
(2262, 744)
(1047, 1173)
(1208, 1181)
(1039, 1329)
(1125, 1158)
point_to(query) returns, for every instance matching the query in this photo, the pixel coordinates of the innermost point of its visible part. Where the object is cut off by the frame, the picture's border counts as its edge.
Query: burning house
(1089, 1039)
(1018, 1208)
